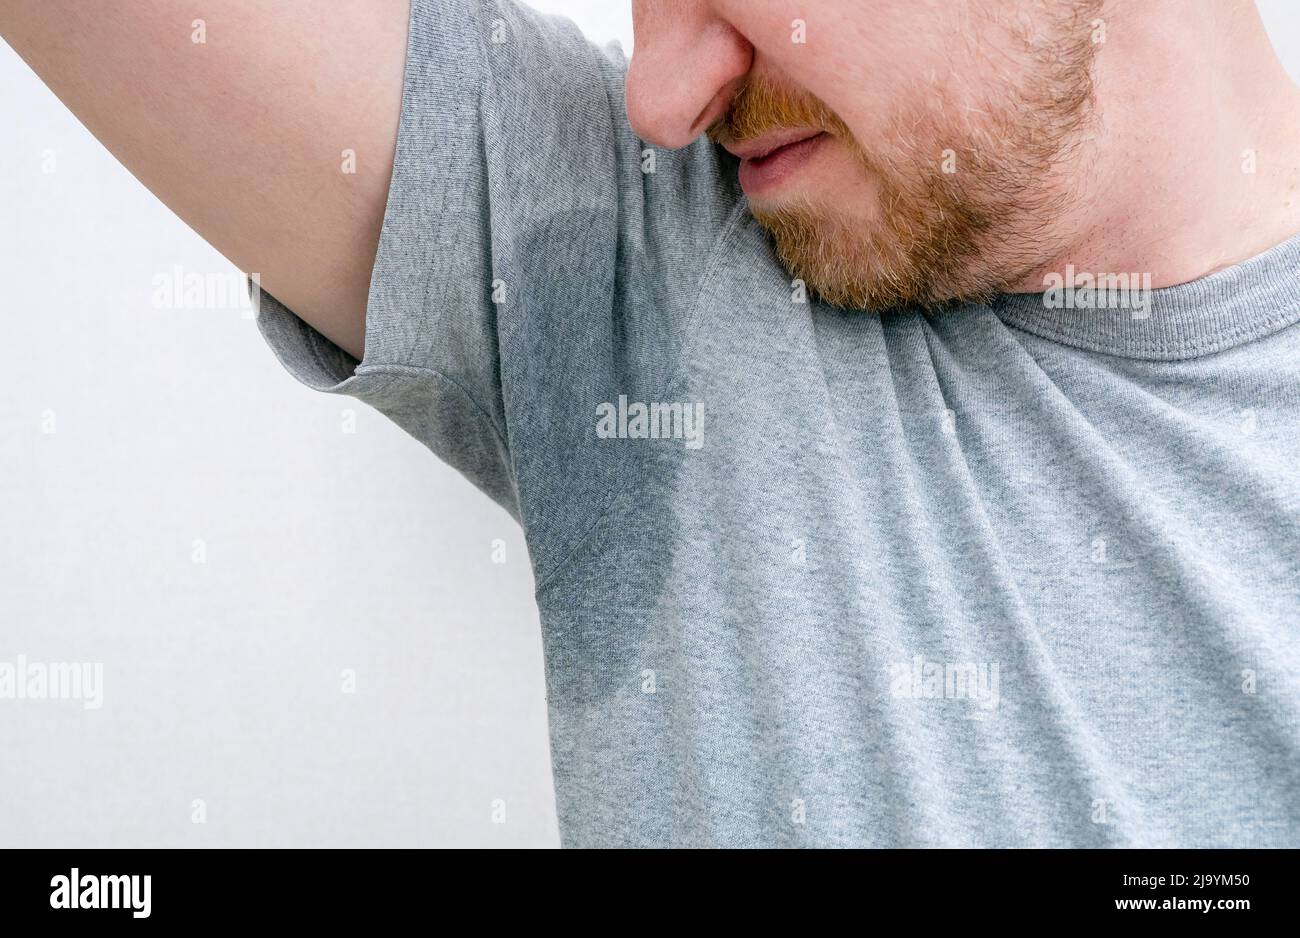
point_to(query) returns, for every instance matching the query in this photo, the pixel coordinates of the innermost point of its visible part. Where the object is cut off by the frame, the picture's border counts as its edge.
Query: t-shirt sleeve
(536, 259)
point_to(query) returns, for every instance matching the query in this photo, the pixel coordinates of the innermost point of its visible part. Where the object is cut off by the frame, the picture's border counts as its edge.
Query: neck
(1195, 161)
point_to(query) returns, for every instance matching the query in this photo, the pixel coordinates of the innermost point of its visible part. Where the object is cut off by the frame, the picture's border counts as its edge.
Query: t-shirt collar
(1120, 315)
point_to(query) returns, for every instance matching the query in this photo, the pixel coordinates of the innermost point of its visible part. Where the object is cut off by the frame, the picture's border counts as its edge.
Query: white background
(326, 551)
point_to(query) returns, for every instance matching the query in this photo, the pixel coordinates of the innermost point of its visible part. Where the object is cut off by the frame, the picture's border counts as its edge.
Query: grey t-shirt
(999, 575)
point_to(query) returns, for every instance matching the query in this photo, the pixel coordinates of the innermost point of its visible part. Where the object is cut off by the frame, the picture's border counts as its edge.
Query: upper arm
(249, 135)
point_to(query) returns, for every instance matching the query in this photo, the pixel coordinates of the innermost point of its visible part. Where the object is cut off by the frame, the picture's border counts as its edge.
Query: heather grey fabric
(998, 575)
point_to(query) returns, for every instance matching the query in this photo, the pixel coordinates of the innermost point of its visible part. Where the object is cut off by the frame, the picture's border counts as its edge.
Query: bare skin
(243, 135)
(1192, 96)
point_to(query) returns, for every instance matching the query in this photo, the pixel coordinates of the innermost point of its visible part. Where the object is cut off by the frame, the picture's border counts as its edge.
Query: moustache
(763, 105)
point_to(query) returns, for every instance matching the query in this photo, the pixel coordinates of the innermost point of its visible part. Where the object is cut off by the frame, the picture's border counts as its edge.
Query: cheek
(827, 49)
(802, 43)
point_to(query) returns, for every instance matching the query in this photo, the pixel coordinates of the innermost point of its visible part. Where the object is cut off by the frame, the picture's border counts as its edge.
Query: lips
(761, 147)
(768, 160)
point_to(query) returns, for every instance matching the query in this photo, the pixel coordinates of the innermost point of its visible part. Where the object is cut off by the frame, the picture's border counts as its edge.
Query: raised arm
(267, 125)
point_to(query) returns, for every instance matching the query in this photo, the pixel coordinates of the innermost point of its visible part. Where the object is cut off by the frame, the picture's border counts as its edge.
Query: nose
(687, 64)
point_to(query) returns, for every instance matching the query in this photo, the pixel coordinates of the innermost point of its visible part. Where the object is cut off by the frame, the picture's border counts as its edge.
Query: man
(901, 401)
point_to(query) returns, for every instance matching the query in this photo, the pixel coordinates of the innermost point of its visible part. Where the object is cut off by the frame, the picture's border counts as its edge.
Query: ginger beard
(962, 195)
